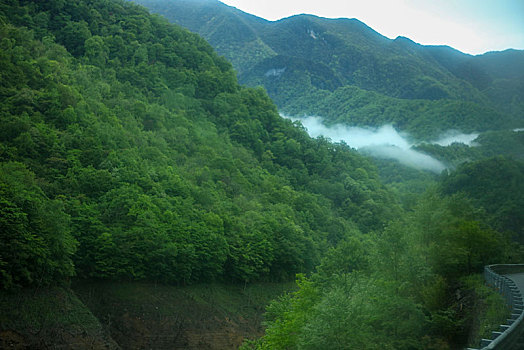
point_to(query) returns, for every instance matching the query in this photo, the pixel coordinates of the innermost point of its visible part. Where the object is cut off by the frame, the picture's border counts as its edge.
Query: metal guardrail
(510, 335)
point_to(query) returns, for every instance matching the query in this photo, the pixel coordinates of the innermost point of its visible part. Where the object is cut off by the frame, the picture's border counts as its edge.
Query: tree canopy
(150, 161)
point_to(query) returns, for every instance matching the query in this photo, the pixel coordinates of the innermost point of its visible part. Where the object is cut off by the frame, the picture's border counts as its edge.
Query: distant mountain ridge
(307, 62)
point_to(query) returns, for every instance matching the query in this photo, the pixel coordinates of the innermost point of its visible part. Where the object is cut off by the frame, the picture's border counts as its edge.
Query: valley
(227, 182)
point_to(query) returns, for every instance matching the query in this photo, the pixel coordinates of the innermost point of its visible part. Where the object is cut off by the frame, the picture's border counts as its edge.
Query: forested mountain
(496, 185)
(129, 152)
(509, 143)
(344, 71)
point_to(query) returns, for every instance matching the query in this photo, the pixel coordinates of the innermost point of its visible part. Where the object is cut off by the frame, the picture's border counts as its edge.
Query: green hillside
(147, 198)
(307, 63)
(495, 185)
(129, 151)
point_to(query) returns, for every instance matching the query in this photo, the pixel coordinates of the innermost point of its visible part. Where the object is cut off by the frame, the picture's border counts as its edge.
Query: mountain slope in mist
(307, 63)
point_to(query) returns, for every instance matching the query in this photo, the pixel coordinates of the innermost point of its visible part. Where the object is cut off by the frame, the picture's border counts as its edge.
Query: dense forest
(347, 74)
(344, 71)
(129, 152)
(413, 284)
(128, 146)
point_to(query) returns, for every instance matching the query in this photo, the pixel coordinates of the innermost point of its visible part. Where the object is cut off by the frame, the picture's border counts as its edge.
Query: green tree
(36, 244)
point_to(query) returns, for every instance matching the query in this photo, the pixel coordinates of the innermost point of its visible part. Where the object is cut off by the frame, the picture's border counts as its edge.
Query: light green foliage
(365, 314)
(455, 236)
(350, 254)
(353, 312)
(288, 315)
(403, 287)
(36, 244)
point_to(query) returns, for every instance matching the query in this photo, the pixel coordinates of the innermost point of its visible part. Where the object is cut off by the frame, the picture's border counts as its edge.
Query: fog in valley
(384, 142)
(453, 136)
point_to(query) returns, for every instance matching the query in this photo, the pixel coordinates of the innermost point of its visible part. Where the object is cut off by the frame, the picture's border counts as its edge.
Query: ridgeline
(142, 187)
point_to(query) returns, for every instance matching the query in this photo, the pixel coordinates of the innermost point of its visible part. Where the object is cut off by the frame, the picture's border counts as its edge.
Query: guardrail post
(485, 342)
(495, 334)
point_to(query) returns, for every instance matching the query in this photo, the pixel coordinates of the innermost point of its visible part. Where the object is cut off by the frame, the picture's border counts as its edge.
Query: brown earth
(205, 317)
(49, 318)
(131, 315)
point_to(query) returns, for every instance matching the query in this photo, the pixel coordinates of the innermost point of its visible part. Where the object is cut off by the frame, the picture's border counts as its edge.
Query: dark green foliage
(139, 144)
(423, 119)
(495, 184)
(507, 143)
(129, 151)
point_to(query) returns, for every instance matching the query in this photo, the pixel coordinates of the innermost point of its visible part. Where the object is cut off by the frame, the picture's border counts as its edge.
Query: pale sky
(471, 26)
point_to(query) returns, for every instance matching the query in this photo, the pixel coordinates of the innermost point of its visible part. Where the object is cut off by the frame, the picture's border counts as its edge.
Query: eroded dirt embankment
(149, 316)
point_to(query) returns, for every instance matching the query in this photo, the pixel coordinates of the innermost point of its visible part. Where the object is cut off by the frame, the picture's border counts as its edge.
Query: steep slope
(231, 32)
(49, 318)
(211, 316)
(499, 75)
(129, 151)
(303, 60)
(496, 185)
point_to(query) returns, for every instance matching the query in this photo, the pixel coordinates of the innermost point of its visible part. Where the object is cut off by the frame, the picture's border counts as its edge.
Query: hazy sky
(471, 26)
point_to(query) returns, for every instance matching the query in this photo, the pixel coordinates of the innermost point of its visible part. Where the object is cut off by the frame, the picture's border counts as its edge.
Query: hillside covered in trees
(130, 153)
(345, 72)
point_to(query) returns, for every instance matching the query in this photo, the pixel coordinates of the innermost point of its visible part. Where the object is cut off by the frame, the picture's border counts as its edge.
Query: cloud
(383, 142)
(453, 136)
(408, 157)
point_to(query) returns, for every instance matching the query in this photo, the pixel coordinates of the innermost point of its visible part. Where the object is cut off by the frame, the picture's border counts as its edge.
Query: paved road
(518, 278)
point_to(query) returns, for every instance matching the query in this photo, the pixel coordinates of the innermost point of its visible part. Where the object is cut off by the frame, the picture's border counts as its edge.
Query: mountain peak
(323, 57)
